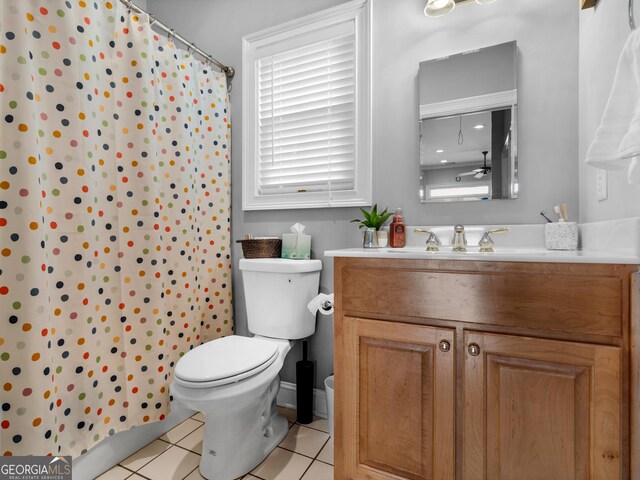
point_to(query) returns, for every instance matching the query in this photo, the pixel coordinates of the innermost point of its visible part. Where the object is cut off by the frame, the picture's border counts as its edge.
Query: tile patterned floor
(306, 453)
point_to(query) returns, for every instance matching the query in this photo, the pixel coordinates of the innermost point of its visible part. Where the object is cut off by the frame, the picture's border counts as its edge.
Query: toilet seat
(224, 361)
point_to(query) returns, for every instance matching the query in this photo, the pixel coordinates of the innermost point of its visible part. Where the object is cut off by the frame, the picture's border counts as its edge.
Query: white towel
(616, 145)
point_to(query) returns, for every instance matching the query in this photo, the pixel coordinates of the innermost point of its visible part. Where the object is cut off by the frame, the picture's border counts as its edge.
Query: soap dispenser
(397, 230)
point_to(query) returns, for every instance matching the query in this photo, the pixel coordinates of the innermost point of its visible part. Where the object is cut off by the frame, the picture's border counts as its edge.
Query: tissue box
(561, 236)
(296, 246)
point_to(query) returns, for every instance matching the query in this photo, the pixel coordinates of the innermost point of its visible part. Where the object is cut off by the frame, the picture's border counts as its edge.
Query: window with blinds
(307, 145)
(307, 119)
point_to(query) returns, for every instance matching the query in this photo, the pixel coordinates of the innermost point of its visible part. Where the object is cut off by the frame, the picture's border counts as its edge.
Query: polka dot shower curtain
(114, 220)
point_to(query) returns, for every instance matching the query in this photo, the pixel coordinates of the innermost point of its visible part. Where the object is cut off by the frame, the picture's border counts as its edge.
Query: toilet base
(234, 444)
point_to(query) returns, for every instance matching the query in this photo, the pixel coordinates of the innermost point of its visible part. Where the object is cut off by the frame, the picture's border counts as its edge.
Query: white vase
(383, 238)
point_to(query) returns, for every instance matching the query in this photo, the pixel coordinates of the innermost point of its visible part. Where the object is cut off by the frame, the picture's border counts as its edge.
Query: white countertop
(504, 254)
(613, 242)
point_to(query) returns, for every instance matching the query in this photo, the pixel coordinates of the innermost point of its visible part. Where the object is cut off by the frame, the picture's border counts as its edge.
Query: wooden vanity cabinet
(403, 395)
(482, 370)
(537, 408)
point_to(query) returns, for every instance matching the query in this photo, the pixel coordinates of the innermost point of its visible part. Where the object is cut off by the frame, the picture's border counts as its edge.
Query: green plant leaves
(372, 219)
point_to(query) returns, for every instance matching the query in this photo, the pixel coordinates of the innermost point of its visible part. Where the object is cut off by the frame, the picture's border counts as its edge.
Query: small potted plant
(373, 221)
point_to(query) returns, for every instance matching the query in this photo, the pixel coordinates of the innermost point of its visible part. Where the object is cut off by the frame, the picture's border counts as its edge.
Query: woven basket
(261, 248)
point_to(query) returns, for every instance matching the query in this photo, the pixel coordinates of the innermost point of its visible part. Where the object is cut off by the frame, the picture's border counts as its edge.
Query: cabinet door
(395, 401)
(540, 409)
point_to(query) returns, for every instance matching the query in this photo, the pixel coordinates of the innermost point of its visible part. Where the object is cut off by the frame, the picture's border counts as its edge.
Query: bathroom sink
(502, 254)
(471, 250)
(522, 243)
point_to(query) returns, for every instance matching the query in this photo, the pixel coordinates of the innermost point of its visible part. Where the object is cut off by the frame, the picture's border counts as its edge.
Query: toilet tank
(277, 292)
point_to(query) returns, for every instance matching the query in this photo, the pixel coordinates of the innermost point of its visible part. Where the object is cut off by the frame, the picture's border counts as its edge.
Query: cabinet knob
(474, 349)
(445, 345)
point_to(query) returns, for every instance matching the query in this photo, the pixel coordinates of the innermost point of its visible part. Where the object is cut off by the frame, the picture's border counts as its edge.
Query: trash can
(328, 390)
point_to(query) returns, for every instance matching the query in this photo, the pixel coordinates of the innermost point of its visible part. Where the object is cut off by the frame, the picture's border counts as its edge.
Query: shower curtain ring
(192, 45)
(152, 20)
(171, 34)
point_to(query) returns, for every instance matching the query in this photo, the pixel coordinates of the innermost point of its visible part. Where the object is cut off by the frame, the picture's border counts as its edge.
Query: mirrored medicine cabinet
(468, 126)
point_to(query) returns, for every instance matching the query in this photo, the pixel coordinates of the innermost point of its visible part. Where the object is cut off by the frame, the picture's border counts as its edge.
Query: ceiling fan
(478, 172)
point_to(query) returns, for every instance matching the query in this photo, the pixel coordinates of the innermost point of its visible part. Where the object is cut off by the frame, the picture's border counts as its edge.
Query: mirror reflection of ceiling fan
(478, 172)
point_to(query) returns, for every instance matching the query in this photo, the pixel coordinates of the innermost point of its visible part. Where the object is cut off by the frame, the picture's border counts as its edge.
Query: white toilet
(234, 380)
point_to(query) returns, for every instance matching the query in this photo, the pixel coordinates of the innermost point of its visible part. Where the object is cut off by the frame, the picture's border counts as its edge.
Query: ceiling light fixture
(437, 8)
(440, 151)
(444, 161)
(479, 126)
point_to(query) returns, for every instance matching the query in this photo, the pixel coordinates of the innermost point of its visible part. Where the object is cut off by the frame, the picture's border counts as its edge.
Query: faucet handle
(433, 242)
(486, 242)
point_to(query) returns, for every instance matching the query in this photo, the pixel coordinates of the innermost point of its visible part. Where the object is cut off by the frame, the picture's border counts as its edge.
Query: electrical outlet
(602, 190)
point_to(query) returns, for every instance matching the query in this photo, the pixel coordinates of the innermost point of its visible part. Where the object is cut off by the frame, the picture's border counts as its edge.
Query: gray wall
(489, 70)
(547, 36)
(603, 31)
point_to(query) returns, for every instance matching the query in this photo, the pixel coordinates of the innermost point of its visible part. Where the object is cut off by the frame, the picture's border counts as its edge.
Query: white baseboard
(287, 398)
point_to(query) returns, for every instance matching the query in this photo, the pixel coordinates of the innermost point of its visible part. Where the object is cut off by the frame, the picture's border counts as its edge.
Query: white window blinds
(306, 111)
(306, 118)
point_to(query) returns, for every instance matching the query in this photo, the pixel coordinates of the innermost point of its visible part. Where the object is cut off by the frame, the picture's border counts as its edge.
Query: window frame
(457, 198)
(287, 37)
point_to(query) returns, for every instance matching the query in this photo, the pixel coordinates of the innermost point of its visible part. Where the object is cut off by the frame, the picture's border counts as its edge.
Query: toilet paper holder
(322, 303)
(326, 305)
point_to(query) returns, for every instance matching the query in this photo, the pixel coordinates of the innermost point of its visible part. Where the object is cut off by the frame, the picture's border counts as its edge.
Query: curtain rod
(227, 70)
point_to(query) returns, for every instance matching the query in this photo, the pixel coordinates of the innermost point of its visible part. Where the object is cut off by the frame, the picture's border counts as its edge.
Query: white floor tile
(326, 454)
(306, 441)
(180, 431)
(174, 464)
(193, 441)
(199, 416)
(145, 455)
(319, 424)
(282, 465)
(116, 473)
(195, 475)
(319, 471)
(290, 415)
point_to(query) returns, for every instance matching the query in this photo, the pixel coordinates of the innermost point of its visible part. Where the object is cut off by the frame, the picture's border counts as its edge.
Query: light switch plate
(602, 188)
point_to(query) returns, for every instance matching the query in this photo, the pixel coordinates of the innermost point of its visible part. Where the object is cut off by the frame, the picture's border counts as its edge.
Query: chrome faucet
(486, 242)
(433, 242)
(459, 241)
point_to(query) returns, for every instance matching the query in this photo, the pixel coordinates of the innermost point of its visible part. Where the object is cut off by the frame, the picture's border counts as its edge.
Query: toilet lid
(226, 360)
